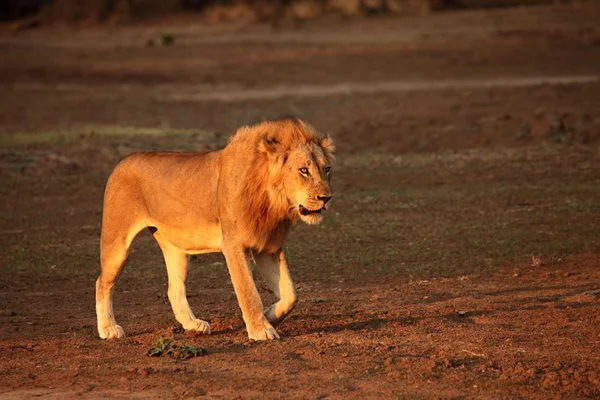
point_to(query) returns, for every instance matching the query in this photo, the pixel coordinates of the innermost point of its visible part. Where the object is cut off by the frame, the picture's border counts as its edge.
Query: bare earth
(460, 258)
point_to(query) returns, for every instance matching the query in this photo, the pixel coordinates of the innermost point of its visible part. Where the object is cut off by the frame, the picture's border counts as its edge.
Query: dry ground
(460, 259)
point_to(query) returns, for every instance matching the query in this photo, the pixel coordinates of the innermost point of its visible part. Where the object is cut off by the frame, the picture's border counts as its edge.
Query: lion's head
(307, 180)
(288, 178)
(300, 165)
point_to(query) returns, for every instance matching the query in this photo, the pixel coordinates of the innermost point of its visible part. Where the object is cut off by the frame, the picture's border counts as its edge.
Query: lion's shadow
(321, 323)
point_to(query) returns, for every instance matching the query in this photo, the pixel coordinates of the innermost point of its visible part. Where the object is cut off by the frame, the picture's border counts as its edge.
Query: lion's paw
(111, 332)
(265, 332)
(199, 326)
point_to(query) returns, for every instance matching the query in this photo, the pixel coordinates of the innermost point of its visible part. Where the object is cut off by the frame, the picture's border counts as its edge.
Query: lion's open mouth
(306, 211)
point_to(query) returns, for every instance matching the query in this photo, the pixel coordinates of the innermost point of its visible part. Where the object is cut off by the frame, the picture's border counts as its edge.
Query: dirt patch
(481, 118)
(469, 335)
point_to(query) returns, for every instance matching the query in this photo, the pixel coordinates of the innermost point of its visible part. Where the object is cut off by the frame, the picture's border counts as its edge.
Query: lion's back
(167, 184)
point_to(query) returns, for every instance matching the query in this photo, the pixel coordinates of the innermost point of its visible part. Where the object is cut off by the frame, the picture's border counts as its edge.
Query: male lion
(240, 201)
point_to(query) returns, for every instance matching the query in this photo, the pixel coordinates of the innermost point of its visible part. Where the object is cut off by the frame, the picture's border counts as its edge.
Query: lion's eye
(304, 171)
(327, 170)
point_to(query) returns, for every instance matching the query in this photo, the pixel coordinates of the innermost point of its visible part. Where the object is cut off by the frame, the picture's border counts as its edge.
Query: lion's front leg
(177, 267)
(238, 263)
(273, 268)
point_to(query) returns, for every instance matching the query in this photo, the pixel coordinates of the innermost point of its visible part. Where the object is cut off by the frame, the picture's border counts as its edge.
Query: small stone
(428, 366)
(530, 372)
(394, 374)
(539, 112)
(524, 132)
(518, 369)
(145, 371)
(550, 379)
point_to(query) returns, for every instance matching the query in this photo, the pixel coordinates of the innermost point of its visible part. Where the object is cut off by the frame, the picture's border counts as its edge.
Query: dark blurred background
(273, 11)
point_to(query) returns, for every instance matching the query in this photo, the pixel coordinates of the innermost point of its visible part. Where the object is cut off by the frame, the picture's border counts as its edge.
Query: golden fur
(240, 201)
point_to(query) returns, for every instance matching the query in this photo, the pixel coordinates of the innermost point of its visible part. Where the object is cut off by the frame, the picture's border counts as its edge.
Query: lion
(241, 201)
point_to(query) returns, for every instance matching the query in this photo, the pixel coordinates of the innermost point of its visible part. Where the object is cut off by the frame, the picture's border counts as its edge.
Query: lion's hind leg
(114, 244)
(177, 265)
(273, 268)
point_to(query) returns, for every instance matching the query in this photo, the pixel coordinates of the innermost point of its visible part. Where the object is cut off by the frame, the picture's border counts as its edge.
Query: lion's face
(306, 182)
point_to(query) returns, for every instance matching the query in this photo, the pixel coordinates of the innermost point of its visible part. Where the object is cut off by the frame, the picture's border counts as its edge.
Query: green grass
(174, 349)
(62, 136)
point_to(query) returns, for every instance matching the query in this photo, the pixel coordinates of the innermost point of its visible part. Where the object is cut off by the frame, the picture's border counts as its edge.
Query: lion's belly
(205, 239)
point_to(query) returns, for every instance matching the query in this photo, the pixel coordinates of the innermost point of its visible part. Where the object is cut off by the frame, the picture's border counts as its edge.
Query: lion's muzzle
(305, 211)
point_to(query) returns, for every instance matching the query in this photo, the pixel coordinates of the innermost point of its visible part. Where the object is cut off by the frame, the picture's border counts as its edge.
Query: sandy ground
(460, 259)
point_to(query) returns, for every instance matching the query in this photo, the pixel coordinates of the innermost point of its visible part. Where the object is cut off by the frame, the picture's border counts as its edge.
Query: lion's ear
(270, 145)
(326, 143)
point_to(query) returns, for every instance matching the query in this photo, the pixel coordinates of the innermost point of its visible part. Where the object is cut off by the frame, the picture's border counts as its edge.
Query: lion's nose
(324, 199)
